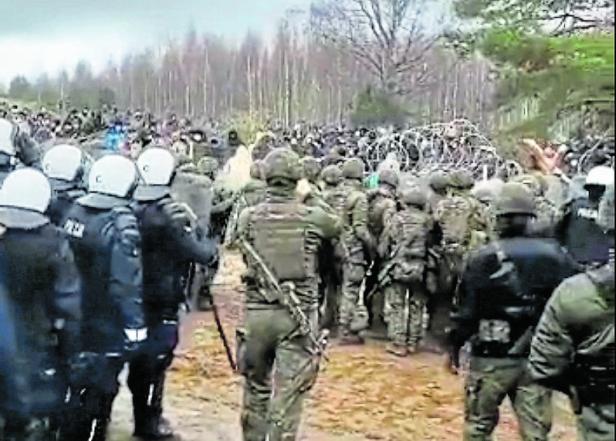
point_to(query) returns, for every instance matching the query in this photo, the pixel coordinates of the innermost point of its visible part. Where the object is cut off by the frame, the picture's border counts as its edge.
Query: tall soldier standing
(278, 358)
(168, 245)
(359, 245)
(504, 288)
(574, 347)
(43, 297)
(107, 245)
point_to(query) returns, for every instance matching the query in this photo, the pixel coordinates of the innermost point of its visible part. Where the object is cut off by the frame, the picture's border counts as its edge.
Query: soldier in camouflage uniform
(405, 242)
(439, 185)
(360, 247)
(335, 196)
(277, 360)
(574, 348)
(381, 208)
(311, 171)
(547, 212)
(463, 223)
(504, 288)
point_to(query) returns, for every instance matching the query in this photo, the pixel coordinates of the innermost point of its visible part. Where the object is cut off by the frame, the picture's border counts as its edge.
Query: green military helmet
(439, 182)
(515, 198)
(413, 196)
(487, 191)
(311, 168)
(606, 210)
(331, 175)
(282, 163)
(462, 180)
(389, 177)
(531, 182)
(256, 169)
(208, 165)
(353, 169)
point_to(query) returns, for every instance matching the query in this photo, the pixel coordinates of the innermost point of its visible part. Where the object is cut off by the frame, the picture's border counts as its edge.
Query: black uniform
(169, 246)
(106, 242)
(40, 327)
(579, 233)
(64, 196)
(509, 281)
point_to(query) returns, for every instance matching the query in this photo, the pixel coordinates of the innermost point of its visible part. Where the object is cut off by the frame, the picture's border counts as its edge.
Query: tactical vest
(335, 198)
(583, 238)
(378, 201)
(454, 215)
(412, 237)
(279, 237)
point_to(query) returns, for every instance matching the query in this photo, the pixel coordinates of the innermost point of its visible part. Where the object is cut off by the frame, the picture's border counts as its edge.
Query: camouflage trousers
(490, 381)
(597, 423)
(353, 273)
(406, 313)
(279, 370)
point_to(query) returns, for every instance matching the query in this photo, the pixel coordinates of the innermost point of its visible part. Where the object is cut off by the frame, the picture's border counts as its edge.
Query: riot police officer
(64, 165)
(504, 288)
(169, 244)
(578, 231)
(42, 294)
(107, 245)
(573, 348)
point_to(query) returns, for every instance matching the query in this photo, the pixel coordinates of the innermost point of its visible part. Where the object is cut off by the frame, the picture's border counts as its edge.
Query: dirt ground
(362, 394)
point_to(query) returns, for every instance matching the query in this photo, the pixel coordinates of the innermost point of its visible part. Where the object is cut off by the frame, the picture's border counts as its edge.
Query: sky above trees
(45, 36)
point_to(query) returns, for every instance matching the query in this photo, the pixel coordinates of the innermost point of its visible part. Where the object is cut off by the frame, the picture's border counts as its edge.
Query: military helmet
(331, 175)
(487, 191)
(389, 177)
(531, 182)
(515, 198)
(208, 165)
(439, 182)
(462, 180)
(353, 169)
(282, 163)
(311, 168)
(606, 210)
(413, 196)
(256, 169)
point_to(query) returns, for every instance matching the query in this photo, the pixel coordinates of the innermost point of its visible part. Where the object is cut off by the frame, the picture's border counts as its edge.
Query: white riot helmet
(8, 132)
(156, 166)
(600, 175)
(64, 162)
(113, 175)
(26, 189)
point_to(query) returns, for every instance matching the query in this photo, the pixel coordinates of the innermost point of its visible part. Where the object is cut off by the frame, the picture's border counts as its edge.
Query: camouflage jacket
(287, 234)
(381, 207)
(577, 321)
(355, 220)
(463, 221)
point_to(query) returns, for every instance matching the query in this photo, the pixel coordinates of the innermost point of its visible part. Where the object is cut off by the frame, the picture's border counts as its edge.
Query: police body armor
(523, 273)
(39, 278)
(167, 249)
(583, 238)
(107, 271)
(62, 201)
(279, 237)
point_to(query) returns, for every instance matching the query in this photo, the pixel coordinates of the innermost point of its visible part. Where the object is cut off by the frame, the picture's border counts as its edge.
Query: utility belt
(497, 339)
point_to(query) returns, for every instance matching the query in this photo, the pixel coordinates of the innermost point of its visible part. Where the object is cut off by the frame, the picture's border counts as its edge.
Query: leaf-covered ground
(362, 393)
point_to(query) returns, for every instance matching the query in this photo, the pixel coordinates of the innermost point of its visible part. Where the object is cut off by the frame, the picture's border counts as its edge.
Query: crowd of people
(98, 257)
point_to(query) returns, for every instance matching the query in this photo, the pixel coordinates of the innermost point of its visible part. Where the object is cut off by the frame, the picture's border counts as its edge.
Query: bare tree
(385, 36)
